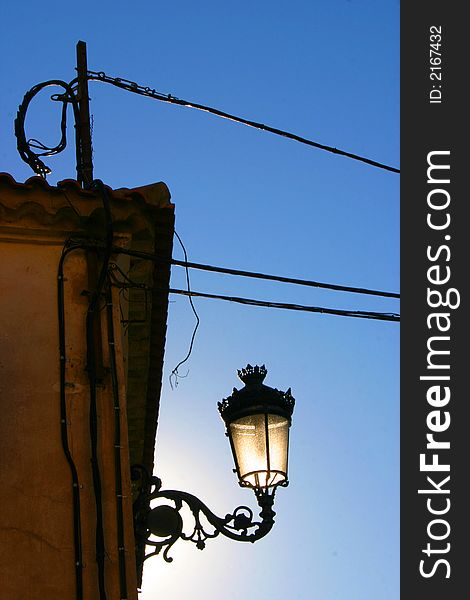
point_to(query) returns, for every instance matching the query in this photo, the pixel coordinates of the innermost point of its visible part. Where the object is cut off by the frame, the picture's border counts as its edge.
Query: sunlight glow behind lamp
(257, 419)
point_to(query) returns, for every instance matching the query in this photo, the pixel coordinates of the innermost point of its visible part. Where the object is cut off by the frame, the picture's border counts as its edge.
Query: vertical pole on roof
(85, 168)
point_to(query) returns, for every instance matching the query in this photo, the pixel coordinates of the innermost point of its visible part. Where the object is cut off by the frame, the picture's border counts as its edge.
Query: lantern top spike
(252, 375)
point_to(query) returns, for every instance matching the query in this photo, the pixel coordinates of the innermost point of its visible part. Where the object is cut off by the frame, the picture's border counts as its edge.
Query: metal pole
(85, 168)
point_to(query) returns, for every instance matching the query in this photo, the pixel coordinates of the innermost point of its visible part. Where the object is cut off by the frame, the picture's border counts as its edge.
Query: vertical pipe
(117, 446)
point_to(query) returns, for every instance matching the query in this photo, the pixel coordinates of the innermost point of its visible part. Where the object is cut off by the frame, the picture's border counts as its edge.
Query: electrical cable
(175, 373)
(117, 444)
(268, 304)
(77, 534)
(306, 282)
(317, 309)
(132, 86)
(93, 307)
(125, 286)
(25, 146)
(32, 158)
(363, 314)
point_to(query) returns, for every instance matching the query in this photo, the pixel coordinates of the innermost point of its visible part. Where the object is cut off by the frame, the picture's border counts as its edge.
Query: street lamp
(257, 419)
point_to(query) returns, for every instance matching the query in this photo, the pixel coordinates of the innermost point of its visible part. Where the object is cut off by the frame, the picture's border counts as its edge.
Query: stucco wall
(36, 519)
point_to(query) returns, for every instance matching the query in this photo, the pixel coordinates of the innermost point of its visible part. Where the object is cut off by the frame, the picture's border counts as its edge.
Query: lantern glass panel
(260, 443)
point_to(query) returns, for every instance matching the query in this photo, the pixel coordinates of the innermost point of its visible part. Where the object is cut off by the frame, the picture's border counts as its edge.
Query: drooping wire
(134, 87)
(174, 374)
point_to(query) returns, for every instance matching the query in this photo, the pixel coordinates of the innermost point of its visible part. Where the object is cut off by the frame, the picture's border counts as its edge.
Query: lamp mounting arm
(161, 526)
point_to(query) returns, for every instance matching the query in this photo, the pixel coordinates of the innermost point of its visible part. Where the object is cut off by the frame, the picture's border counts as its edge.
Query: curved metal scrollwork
(166, 523)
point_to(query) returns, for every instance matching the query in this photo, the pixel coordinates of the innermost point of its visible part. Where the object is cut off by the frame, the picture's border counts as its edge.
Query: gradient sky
(326, 70)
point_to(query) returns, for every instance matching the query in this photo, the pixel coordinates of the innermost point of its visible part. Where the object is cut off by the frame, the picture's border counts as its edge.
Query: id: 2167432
(435, 64)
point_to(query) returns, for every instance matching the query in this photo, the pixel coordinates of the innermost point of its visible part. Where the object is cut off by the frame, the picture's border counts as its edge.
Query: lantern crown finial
(252, 375)
(255, 397)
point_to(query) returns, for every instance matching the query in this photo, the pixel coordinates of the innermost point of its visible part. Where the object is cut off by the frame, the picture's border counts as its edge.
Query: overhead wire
(282, 279)
(242, 273)
(300, 307)
(388, 316)
(134, 87)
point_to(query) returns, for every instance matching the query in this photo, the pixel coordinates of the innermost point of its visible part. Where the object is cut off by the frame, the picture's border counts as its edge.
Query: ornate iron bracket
(161, 526)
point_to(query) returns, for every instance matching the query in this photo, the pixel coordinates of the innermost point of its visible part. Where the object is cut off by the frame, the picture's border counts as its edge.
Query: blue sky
(326, 70)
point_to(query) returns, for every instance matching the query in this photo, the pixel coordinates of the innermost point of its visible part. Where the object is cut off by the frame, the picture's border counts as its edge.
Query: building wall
(37, 540)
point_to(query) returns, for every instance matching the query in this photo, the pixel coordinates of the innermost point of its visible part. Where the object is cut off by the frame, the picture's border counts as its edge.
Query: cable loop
(25, 146)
